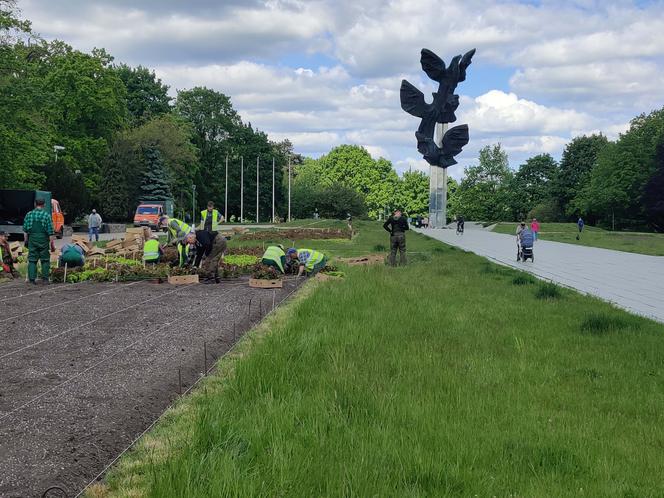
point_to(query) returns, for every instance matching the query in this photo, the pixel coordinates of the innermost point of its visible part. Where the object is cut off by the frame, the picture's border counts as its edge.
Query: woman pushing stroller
(524, 242)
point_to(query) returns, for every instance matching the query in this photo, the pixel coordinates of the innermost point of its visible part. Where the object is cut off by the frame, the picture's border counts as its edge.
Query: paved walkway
(634, 282)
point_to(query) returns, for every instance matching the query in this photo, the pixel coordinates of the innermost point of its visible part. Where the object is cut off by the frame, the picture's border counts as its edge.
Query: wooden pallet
(183, 279)
(261, 283)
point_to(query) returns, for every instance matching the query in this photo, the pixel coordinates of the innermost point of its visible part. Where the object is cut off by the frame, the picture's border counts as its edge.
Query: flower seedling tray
(261, 283)
(183, 279)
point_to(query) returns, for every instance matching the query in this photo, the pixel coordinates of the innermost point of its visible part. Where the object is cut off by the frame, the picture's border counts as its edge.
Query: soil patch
(88, 367)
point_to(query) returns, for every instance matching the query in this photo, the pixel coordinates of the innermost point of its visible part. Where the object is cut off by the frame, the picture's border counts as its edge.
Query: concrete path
(634, 282)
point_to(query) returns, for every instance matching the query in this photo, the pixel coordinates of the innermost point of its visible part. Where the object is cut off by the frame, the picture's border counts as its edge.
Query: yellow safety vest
(313, 258)
(274, 253)
(182, 226)
(151, 250)
(183, 250)
(216, 219)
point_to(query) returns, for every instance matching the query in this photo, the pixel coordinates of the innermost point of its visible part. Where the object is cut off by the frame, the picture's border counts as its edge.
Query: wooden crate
(261, 283)
(183, 279)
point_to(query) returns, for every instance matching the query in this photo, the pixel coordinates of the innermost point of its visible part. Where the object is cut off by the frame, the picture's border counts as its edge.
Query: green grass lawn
(639, 242)
(449, 377)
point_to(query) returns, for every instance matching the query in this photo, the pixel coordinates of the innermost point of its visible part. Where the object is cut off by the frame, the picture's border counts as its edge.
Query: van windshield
(147, 210)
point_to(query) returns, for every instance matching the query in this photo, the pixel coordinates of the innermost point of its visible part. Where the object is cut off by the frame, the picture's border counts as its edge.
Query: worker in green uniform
(275, 257)
(72, 255)
(310, 261)
(210, 218)
(38, 228)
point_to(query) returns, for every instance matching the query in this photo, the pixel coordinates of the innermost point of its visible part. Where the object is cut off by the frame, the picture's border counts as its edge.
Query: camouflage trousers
(210, 266)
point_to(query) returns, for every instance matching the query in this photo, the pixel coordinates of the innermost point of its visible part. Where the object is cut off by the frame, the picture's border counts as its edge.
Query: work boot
(32, 282)
(45, 281)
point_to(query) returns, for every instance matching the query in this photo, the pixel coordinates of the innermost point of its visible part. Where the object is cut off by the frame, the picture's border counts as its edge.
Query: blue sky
(325, 72)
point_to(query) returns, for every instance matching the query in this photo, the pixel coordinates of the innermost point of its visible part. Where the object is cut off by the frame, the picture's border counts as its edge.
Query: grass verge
(638, 242)
(442, 378)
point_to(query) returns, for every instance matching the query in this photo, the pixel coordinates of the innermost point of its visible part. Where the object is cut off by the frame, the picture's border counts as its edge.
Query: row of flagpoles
(257, 189)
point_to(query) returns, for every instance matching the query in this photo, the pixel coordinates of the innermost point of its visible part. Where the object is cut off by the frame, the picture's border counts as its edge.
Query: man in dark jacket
(397, 226)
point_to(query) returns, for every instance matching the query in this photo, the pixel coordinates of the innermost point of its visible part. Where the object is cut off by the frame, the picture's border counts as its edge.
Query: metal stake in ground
(249, 310)
(274, 298)
(205, 358)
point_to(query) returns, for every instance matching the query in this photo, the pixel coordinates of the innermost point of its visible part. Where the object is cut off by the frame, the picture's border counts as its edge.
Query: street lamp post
(241, 189)
(257, 188)
(57, 148)
(193, 205)
(289, 188)
(226, 192)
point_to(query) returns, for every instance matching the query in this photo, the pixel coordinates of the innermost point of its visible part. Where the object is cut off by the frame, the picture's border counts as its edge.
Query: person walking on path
(38, 232)
(397, 226)
(580, 224)
(535, 228)
(94, 224)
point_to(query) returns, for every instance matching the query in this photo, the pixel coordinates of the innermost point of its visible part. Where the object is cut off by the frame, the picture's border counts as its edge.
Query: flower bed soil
(87, 367)
(298, 234)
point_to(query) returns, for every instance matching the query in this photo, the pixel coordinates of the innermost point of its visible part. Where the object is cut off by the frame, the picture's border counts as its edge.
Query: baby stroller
(525, 249)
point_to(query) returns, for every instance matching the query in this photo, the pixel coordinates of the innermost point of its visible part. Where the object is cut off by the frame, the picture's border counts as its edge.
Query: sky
(327, 72)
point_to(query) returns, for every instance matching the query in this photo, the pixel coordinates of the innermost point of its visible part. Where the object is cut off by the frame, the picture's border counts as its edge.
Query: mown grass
(442, 378)
(638, 242)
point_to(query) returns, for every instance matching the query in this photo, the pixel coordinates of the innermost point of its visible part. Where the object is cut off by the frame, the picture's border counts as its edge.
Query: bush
(600, 324)
(523, 280)
(546, 211)
(548, 291)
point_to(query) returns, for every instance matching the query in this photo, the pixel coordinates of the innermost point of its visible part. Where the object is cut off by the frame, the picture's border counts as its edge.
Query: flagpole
(272, 189)
(257, 188)
(289, 188)
(241, 189)
(226, 192)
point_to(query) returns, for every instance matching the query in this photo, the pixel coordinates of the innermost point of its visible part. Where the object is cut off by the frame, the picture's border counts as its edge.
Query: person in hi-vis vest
(211, 218)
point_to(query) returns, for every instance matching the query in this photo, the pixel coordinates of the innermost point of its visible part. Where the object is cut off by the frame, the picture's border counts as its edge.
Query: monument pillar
(438, 186)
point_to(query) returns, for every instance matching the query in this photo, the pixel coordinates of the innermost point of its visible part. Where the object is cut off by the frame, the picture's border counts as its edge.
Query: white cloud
(501, 113)
(325, 72)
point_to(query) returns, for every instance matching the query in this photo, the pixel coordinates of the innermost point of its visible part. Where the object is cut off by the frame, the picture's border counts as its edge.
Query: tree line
(615, 184)
(121, 137)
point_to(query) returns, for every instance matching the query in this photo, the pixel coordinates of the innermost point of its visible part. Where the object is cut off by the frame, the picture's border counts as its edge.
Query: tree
(147, 96)
(483, 193)
(617, 183)
(120, 189)
(154, 184)
(413, 193)
(531, 184)
(69, 188)
(171, 135)
(353, 166)
(337, 201)
(576, 164)
(653, 195)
